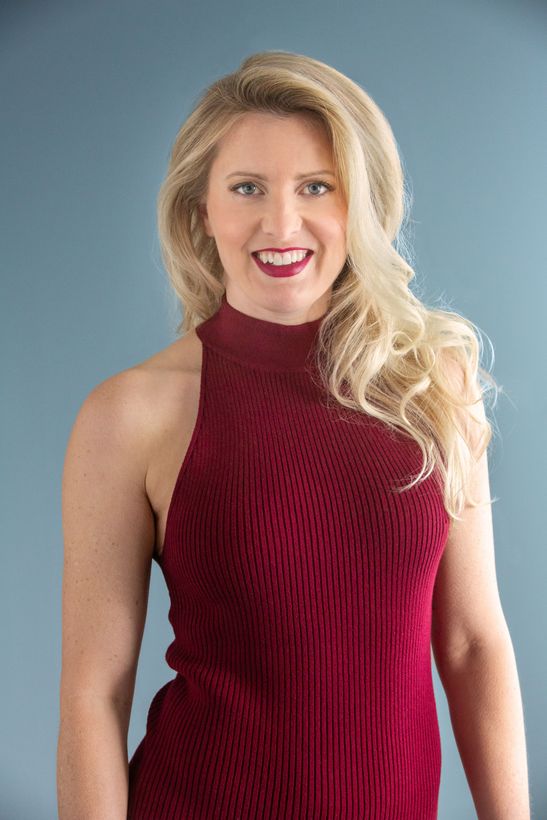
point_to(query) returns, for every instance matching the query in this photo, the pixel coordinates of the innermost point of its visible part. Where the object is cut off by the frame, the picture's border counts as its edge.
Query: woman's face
(272, 185)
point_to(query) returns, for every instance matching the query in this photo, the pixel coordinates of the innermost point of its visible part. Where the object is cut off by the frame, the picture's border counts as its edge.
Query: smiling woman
(276, 204)
(308, 466)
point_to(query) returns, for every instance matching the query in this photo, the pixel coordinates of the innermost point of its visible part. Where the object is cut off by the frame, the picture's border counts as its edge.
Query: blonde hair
(381, 351)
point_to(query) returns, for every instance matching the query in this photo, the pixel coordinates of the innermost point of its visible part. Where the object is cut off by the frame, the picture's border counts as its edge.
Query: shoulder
(465, 388)
(458, 375)
(132, 406)
(137, 385)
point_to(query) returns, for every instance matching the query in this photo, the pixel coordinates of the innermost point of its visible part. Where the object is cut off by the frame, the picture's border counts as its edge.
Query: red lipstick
(279, 250)
(283, 270)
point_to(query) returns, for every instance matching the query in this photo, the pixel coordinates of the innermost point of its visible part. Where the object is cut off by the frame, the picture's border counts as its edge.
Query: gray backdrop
(92, 95)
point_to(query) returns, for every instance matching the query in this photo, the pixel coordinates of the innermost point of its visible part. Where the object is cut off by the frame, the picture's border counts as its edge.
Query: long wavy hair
(381, 351)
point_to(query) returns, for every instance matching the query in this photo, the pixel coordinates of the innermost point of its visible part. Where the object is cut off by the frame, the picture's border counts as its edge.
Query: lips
(278, 271)
(277, 250)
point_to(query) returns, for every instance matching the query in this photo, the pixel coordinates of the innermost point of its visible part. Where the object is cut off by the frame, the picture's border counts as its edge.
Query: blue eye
(242, 185)
(252, 184)
(324, 184)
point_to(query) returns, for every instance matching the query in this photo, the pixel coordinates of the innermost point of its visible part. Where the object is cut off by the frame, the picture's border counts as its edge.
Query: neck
(260, 342)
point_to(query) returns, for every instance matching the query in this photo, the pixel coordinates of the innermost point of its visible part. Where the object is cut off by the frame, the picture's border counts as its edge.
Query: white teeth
(287, 258)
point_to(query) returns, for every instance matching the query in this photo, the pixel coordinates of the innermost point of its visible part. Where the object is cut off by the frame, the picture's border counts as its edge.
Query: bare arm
(108, 529)
(487, 718)
(474, 656)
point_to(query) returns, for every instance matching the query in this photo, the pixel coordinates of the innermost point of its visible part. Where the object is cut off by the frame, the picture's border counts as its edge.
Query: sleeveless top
(300, 593)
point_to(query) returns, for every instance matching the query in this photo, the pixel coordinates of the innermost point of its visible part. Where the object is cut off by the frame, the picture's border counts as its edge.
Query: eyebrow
(265, 179)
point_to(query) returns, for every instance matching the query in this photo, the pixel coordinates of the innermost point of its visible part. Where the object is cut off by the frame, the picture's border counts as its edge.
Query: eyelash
(314, 182)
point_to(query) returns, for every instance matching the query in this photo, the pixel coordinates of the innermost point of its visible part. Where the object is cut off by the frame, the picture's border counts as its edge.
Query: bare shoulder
(164, 369)
(169, 384)
(140, 399)
(134, 416)
(182, 355)
(472, 418)
(109, 527)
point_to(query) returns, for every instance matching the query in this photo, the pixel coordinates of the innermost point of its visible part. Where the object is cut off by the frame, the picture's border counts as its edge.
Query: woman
(308, 466)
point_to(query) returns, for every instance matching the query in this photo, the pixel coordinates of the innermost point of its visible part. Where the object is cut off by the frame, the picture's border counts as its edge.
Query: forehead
(272, 140)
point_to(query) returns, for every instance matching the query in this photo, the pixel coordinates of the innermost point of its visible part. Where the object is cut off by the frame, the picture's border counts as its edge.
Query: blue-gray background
(92, 95)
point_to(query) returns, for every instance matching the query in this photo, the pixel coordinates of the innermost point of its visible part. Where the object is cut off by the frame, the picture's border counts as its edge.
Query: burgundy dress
(300, 587)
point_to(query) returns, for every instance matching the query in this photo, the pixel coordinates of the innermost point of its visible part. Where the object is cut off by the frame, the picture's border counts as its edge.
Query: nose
(281, 218)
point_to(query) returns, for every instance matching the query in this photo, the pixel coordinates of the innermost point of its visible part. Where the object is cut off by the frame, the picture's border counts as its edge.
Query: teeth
(287, 258)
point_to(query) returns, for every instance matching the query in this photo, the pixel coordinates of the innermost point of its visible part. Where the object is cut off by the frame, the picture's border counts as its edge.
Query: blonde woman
(307, 464)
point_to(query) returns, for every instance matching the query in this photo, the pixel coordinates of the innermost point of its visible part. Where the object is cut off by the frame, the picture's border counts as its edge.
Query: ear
(202, 210)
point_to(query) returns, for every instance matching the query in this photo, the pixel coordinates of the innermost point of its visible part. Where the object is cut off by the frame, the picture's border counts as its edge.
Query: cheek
(225, 219)
(232, 233)
(234, 223)
(334, 232)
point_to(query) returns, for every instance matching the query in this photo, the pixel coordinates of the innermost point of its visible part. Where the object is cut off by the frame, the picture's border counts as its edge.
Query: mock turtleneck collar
(258, 341)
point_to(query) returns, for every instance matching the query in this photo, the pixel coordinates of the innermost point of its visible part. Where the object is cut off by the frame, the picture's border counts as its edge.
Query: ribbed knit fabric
(300, 589)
